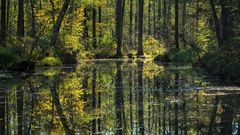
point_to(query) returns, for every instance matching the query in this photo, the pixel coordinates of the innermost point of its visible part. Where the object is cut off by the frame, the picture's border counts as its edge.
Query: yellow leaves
(153, 47)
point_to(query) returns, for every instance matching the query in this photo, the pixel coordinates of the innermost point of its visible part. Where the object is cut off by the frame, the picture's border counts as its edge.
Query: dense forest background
(53, 32)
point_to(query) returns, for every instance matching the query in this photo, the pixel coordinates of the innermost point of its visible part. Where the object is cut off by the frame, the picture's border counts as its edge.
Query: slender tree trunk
(8, 26)
(131, 101)
(53, 11)
(176, 25)
(176, 103)
(85, 29)
(119, 27)
(140, 98)
(20, 23)
(40, 4)
(197, 15)
(159, 17)
(149, 17)
(100, 20)
(216, 22)
(140, 28)
(131, 23)
(20, 110)
(165, 20)
(213, 116)
(33, 33)
(227, 119)
(58, 23)
(94, 128)
(184, 20)
(154, 19)
(3, 22)
(118, 99)
(136, 25)
(123, 10)
(184, 106)
(94, 44)
(99, 107)
(2, 113)
(227, 20)
(70, 18)
(62, 116)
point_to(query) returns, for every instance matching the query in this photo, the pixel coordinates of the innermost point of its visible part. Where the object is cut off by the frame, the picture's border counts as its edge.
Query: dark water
(116, 97)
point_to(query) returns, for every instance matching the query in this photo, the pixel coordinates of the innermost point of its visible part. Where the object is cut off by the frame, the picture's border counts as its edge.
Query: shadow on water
(117, 97)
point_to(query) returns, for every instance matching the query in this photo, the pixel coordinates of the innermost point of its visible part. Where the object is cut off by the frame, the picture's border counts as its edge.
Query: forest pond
(117, 97)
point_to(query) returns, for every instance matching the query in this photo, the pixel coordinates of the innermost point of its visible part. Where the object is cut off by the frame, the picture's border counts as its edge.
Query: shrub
(153, 47)
(183, 55)
(50, 61)
(224, 60)
(106, 48)
(7, 58)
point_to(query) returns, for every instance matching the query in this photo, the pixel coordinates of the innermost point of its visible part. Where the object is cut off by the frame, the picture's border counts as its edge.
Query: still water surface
(117, 97)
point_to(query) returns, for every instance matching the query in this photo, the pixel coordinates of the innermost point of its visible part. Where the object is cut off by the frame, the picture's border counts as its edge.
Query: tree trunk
(154, 19)
(58, 23)
(159, 16)
(59, 108)
(213, 116)
(100, 20)
(119, 99)
(140, 98)
(20, 22)
(94, 128)
(136, 25)
(20, 93)
(149, 17)
(140, 28)
(184, 20)
(164, 20)
(227, 20)
(119, 27)
(3, 22)
(53, 11)
(176, 25)
(8, 26)
(33, 33)
(94, 44)
(131, 23)
(2, 112)
(216, 23)
(85, 29)
(227, 118)
(197, 16)
(176, 103)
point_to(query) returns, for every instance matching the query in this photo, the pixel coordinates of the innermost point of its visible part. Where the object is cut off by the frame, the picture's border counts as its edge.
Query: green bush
(50, 61)
(106, 48)
(183, 55)
(225, 60)
(7, 58)
(153, 47)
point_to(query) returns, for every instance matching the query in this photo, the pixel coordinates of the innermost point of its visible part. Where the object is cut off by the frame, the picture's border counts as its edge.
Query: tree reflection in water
(116, 97)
